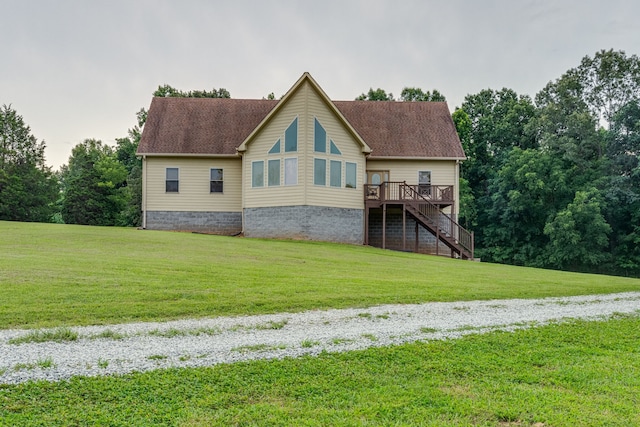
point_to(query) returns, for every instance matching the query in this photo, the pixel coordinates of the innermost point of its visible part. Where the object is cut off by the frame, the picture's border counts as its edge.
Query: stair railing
(446, 225)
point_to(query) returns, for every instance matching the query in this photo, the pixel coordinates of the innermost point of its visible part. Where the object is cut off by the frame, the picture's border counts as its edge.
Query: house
(306, 167)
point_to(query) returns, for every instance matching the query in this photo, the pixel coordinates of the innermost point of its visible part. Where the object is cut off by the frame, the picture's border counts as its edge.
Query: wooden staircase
(429, 215)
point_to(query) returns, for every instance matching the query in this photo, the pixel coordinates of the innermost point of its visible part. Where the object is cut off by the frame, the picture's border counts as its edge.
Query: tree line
(551, 181)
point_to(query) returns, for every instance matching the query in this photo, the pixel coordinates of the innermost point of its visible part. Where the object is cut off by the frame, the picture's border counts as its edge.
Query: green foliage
(417, 94)
(375, 95)
(106, 275)
(92, 183)
(526, 191)
(578, 234)
(570, 374)
(28, 188)
(569, 198)
(408, 94)
(610, 80)
(167, 91)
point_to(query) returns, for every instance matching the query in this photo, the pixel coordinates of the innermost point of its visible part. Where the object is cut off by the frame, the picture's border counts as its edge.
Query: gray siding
(342, 225)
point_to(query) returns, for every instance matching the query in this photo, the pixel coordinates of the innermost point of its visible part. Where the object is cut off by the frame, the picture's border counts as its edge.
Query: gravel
(137, 347)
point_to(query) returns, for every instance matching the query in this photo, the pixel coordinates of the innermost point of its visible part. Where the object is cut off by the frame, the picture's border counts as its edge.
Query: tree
(92, 185)
(528, 189)
(375, 95)
(578, 234)
(167, 91)
(566, 126)
(126, 148)
(622, 189)
(416, 94)
(28, 188)
(489, 125)
(610, 81)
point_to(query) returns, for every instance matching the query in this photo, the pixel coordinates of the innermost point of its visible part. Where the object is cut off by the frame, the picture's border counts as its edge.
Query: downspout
(243, 182)
(144, 192)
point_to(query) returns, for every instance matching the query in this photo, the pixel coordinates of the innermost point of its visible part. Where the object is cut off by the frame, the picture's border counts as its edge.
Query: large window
(172, 180)
(335, 177)
(351, 175)
(274, 173)
(319, 137)
(291, 137)
(291, 171)
(215, 183)
(319, 171)
(257, 174)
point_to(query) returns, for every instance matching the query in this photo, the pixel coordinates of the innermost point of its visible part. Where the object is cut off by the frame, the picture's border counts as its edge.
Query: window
(351, 175)
(320, 138)
(276, 148)
(319, 171)
(274, 172)
(335, 178)
(424, 183)
(257, 174)
(377, 177)
(291, 137)
(215, 184)
(334, 149)
(291, 171)
(172, 180)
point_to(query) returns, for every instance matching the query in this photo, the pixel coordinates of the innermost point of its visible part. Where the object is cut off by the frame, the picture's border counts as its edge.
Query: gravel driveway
(119, 349)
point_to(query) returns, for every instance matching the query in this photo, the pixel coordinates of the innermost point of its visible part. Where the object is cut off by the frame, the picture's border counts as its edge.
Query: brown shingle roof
(404, 129)
(214, 126)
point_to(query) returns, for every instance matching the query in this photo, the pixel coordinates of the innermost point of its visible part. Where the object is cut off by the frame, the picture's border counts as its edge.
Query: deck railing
(389, 191)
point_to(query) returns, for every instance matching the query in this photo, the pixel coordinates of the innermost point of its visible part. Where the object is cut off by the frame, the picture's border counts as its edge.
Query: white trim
(372, 157)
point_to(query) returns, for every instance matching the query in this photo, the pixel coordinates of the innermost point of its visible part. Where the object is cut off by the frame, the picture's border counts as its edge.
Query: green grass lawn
(573, 374)
(569, 374)
(62, 275)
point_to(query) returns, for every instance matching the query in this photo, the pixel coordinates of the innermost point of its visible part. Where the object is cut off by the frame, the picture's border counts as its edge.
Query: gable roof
(223, 126)
(306, 77)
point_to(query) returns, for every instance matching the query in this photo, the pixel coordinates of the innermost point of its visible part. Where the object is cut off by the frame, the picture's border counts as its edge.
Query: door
(374, 179)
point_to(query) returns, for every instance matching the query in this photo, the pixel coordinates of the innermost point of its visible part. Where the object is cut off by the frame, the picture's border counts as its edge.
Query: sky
(78, 69)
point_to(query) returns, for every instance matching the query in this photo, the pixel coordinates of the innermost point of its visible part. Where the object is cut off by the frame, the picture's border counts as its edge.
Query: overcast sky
(77, 69)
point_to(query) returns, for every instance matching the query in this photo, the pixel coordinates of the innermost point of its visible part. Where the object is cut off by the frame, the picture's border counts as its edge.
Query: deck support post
(438, 239)
(384, 226)
(366, 224)
(417, 239)
(404, 227)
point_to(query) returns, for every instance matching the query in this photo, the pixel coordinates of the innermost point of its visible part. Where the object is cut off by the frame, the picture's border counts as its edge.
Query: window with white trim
(257, 174)
(335, 173)
(350, 175)
(319, 171)
(291, 171)
(216, 181)
(274, 172)
(172, 180)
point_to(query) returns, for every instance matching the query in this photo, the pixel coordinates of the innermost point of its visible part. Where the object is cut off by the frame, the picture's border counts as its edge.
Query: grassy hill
(568, 374)
(54, 275)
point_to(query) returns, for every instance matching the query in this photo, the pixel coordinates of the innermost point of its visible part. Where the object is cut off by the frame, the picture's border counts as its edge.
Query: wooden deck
(441, 195)
(424, 203)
